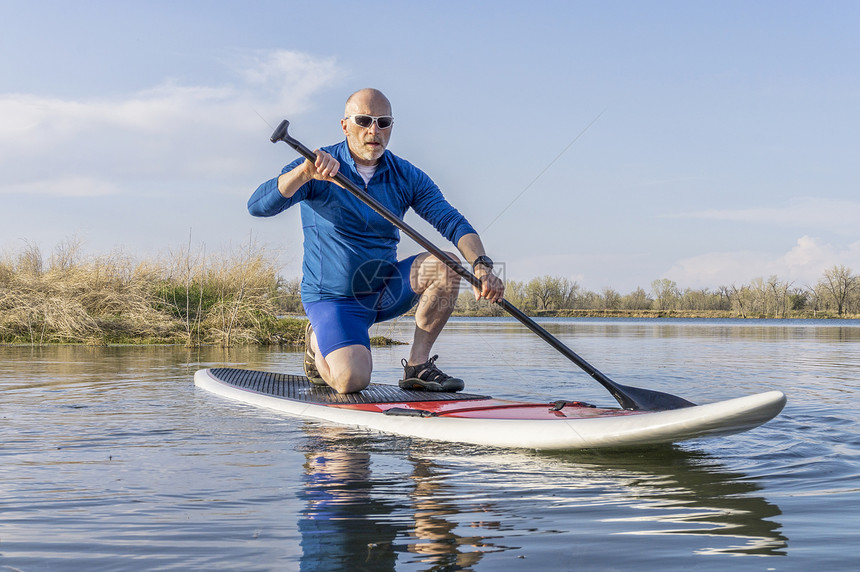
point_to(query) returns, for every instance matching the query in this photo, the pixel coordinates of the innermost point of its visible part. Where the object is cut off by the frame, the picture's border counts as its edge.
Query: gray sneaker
(428, 377)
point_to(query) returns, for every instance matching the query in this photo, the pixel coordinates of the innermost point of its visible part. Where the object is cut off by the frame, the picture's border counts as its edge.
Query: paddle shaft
(619, 392)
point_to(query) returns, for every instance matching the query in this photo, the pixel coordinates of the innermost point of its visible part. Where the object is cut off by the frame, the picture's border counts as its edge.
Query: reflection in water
(446, 512)
(352, 521)
(434, 526)
(343, 526)
(678, 492)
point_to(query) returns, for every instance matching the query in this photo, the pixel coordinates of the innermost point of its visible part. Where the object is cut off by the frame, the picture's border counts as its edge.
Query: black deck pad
(298, 388)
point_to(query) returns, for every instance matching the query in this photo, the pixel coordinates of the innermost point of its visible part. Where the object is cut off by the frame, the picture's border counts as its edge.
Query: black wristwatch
(483, 261)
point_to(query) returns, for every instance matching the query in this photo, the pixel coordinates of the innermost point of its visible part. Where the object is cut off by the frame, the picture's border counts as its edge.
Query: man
(351, 276)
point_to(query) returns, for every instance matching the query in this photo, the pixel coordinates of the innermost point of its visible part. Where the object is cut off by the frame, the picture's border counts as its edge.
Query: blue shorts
(341, 322)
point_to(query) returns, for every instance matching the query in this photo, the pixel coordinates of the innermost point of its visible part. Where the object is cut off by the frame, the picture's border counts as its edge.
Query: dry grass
(71, 298)
(244, 284)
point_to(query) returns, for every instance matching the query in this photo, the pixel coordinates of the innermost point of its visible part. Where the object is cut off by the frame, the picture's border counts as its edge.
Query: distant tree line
(836, 294)
(238, 297)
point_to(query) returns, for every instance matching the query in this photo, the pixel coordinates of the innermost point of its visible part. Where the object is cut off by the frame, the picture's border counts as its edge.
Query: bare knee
(453, 255)
(447, 283)
(350, 381)
(349, 369)
(433, 273)
(450, 276)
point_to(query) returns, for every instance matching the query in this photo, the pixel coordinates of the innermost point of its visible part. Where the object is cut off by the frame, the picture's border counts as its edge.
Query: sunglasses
(365, 121)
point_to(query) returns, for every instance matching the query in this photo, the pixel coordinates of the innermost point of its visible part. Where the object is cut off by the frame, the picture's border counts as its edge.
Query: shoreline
(238, 298)
(658, 314)
(293, 326)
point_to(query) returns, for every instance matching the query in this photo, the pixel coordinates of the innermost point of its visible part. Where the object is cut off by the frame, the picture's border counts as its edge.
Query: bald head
(369, 101)
(366, 144)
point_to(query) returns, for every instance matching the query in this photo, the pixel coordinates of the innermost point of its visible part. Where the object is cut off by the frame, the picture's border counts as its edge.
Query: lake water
(113, 460)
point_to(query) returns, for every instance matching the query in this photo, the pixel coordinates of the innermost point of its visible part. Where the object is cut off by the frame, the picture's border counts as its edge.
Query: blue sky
(613, 143)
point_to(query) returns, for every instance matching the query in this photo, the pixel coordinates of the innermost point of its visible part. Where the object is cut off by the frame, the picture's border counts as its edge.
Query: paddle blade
(641, 399)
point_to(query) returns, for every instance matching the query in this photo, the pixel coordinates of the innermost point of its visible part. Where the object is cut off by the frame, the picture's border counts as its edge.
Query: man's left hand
(492, 288)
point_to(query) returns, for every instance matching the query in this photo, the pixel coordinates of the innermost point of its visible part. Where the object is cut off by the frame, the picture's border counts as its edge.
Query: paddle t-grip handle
(281, 133)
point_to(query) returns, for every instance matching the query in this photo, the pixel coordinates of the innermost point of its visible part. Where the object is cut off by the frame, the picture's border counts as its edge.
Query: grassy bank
(183, 297)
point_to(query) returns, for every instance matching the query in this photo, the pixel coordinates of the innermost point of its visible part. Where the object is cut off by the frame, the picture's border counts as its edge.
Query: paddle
(628, 397)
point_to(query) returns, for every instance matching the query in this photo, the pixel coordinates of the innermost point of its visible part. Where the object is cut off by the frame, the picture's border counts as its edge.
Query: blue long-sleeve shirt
(341, 233)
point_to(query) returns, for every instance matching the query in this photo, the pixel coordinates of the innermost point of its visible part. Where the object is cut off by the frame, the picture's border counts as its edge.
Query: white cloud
(293, 76)
(803, 264)
(808, 212)
(72, 186)
(169, 132)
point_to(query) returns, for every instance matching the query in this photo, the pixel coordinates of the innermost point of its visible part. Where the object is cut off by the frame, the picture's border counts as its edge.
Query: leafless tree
(544, 291)
(666, 293)
(839, 284)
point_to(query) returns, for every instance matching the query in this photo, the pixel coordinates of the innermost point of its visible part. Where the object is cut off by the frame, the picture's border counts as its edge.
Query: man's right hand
(324, 168)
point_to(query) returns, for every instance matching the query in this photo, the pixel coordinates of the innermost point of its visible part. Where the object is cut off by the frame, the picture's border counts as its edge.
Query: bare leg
(438, 287)
(347, 369)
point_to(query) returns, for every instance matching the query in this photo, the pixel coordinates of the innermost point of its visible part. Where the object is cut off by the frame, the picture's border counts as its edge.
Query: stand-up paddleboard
(482, 420)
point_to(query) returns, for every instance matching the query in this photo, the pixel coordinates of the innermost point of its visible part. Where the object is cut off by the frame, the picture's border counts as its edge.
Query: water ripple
(113, 460)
